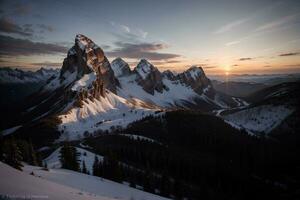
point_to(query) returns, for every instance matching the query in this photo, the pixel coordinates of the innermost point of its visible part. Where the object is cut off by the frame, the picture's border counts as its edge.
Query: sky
(222, 36)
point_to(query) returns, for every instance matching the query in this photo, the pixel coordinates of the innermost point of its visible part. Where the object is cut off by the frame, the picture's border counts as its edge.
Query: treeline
(205, 156)
(111, 168)
(14, 151)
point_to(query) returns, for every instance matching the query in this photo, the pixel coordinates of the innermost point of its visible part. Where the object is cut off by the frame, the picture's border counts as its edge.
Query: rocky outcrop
(168, 74)
(86, 57)
(120, 67)
(195, 78)
(149, 77)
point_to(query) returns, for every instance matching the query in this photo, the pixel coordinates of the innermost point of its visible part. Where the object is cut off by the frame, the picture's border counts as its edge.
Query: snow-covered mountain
(189, 89)
(9, 75)
(89, 94)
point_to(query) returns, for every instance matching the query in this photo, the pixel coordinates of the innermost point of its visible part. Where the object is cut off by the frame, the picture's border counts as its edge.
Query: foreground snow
(20, 185)
(60, 184)
(91, 185)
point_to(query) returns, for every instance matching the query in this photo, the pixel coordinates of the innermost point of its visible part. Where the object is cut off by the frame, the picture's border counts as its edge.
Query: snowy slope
(168, 98)
(60, 184)
(17, 184)
(101, 114)
(91, 185)
(86, 156)
(260, 119)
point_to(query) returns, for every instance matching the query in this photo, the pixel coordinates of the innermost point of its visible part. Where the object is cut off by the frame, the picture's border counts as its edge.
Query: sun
(227, 73)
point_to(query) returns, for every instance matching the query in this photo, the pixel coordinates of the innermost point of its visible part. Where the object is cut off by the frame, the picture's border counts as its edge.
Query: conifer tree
(84, 170)
(96, 166)
(12, 154)
(69, 157)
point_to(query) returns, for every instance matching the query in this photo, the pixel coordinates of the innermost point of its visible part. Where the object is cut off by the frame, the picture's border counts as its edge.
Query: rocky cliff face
(149, 77)
(195, 78)
(120, 67)
(86, 57)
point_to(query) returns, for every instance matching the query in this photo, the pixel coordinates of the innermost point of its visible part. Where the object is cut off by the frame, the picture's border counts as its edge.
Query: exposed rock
(149, 77)
(120, 67)
(86, 57)
(195, 78)
(168, 74)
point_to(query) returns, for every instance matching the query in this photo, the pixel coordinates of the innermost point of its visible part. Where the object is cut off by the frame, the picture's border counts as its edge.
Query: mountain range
(89, 93)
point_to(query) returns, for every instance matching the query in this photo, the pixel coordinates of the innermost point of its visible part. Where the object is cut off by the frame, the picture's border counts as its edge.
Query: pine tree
(12, 154)
(69, 157)
(84, 170)
(32, 156)
(96, 166)
(45, 166)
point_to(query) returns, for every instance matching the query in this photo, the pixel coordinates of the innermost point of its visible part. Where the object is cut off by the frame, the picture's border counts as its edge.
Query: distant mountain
(269, 109)
(238, 89)
(16, 85)
(267, 79)
(9, 75)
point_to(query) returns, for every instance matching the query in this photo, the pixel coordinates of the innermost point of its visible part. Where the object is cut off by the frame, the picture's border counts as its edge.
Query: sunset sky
(229, 36)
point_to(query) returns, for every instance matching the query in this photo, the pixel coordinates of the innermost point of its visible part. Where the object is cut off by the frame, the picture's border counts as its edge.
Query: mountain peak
(144, 68)
(120, 67)
(84, 42)
(195, 72)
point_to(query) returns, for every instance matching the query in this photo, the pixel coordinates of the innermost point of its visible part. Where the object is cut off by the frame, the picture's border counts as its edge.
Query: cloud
(165, 62)
(125, 33)
(22, 47)
(125, 28)
(48, 64)
(141, 50)
(277, 23)
(8, 26)
(209, 67)
(290, 54)
(231, 25)
(22, 9)
(233, 43)
(44, 27)
(244, 59)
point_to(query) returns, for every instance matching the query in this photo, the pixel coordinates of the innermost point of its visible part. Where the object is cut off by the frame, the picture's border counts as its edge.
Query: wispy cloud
(244, 59)
(22, 9)
(141, 50)
(47, 64)
(27, 30)
(231, 25)
(277, 23)
(233, 43)
(124, 32)
(8, 26)
(290, 54)
(22, 47)
(131, 43)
